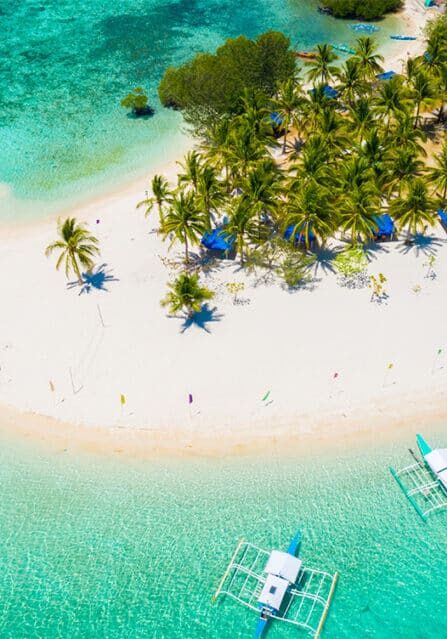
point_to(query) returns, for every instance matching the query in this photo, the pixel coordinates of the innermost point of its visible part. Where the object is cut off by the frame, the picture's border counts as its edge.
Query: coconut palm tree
(321, 68)
(241, 224)
(309, 211)
(77, 246)
(438, 173)
(351, 83)
(161, 195)
(191, 171)
(185, 221)
(210, 193)
(186, 294)
(422, 93)
(370, 62)
(357, 210)
(286, 104)
(361, 117)
(390, 99)
(415, 209)
(314, 161)
(260, 189)
(403, 166)
(405, 135)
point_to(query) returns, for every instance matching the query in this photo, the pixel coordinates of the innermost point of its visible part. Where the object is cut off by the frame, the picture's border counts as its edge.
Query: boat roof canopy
(283, 565)
(273, 592)
(437, 460)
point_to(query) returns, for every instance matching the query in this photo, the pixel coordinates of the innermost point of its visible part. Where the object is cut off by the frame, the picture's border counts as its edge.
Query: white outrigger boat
(424, 483)
(278, 587)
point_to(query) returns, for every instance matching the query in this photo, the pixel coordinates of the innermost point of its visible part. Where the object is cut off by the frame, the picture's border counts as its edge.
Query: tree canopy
(367, 9)
(211, 85)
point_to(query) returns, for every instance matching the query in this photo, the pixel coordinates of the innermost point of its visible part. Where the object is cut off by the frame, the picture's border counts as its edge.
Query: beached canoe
(403, 37)
(305, 54)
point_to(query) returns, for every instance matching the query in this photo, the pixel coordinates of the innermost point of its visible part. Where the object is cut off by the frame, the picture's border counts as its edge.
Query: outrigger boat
(343, 48)
(366, 28)
(424, 483)
(278, 587)
(305, 54)
(403, 37)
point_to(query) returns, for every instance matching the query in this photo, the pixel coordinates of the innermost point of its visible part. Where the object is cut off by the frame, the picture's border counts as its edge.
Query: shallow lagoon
(114, 547)
(65, 65)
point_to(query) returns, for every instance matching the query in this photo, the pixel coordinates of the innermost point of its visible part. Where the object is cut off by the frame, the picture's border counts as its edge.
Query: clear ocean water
(65, 65)
(110, 547)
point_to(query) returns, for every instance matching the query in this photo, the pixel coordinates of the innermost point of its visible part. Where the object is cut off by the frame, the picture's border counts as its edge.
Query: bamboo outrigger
(424, 482)
(277, 586)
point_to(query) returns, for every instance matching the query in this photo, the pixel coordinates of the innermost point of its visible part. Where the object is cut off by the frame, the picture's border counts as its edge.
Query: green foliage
(367, 9)
(210, 86)
(77, 246)
(377, 284)
(186, 295)
(294, 269)
(137, 101)
(351, 264)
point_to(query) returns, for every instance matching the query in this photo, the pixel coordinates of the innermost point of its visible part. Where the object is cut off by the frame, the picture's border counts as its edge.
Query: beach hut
(220, 242)
(442, 215)
(382, 77)
(386, 229)
(300, 236)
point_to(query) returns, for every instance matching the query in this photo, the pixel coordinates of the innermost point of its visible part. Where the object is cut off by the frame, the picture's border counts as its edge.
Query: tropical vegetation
(77, 248)
(367, 9)
(289, 156)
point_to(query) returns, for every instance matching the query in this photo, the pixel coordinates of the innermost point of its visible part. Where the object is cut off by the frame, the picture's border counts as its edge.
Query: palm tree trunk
(444, 193)
(186, 249)
(74, 261)
(416, 119)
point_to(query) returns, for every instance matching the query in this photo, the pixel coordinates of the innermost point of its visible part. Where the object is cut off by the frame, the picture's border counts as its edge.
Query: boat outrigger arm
(424, 483)
(278, 588)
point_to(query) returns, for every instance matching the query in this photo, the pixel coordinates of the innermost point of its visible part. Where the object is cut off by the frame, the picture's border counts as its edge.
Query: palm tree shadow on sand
(205, 316)
(95, 279)
(421, 244)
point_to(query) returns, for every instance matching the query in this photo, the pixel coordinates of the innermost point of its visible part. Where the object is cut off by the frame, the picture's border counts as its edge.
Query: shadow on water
(201, 319)
(95, 279)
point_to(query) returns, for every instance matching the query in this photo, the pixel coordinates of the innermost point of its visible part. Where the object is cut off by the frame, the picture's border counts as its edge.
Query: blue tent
(328, 91)
(386, 76)
(218, 240)
(385, 226)
(299, 236)
(276, 119)
(443, 217)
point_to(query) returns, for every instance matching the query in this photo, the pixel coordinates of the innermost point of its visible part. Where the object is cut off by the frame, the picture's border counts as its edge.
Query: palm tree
(351, 83)
(438, 173)
(185, 221)
(186, 294)
(160, 195)
(241, 223)
(390, 99)
(422, 92)
(403, 166)
(309, 211)
(358, 208)
(368, 60)
(314, 160)
(261, 187)
(209, 191)
(361, 117)
(77, 246)
(405, 135)
(415, 209)
(192, 168)
(244, 150)
(321, 68)
(286, 104)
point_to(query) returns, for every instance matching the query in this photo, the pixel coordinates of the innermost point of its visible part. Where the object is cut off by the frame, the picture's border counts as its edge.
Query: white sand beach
(278, 364)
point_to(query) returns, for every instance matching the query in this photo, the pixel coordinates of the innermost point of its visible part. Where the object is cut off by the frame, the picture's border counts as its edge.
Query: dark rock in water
(326, 10)
(143, 113)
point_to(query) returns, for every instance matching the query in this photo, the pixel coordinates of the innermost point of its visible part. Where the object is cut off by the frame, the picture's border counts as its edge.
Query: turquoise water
(96, 547)
(65, 65)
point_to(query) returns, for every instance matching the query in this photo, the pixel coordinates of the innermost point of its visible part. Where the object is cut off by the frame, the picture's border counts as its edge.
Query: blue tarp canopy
(328, 91)
(300, 236)
(276, 119)
(386, 76)
(443, 216)
(385, 225)
(218, 240)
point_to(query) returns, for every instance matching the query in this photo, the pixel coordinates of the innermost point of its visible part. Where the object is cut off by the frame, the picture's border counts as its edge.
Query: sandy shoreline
(66, 359)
